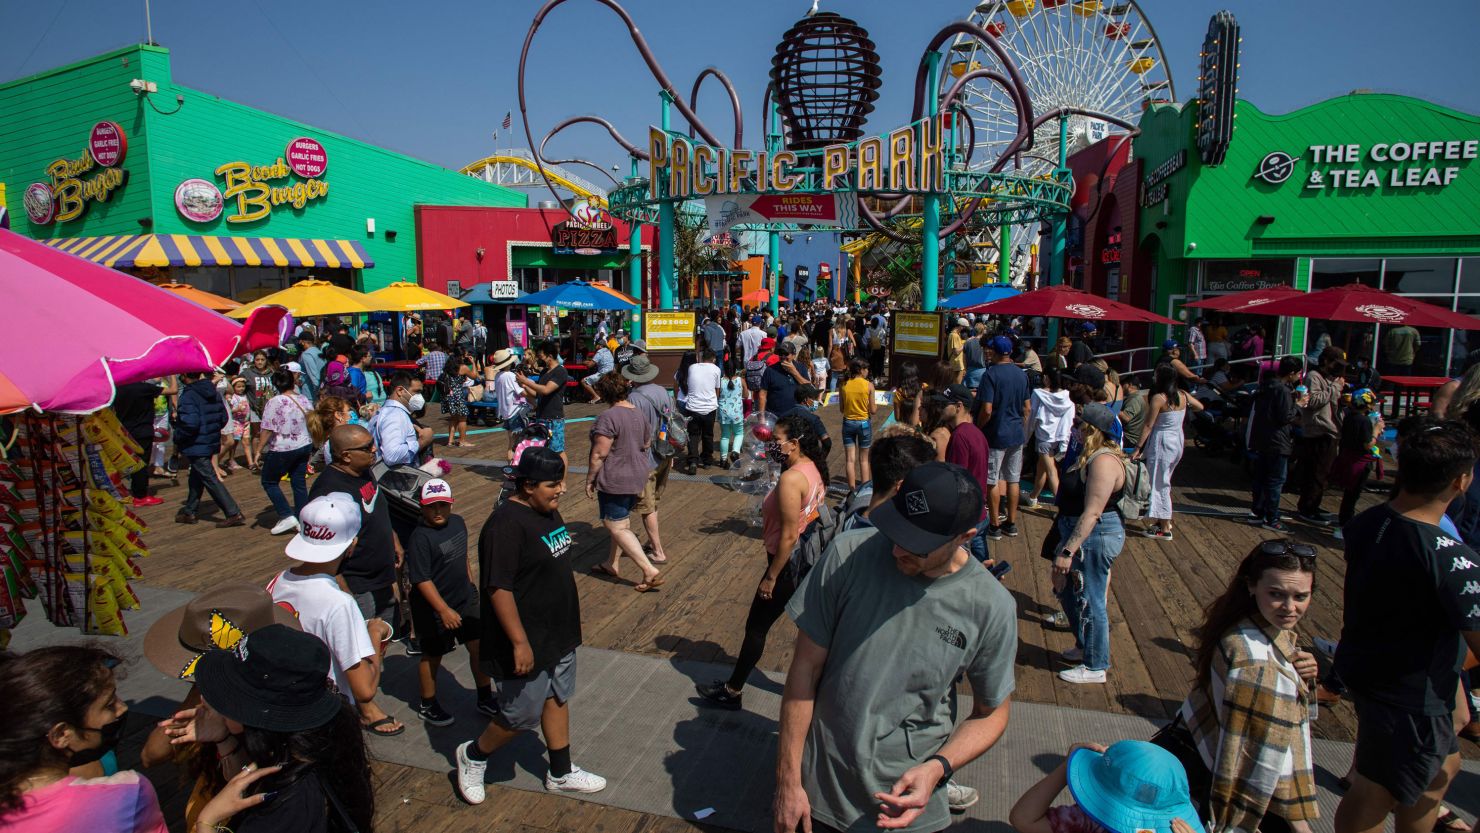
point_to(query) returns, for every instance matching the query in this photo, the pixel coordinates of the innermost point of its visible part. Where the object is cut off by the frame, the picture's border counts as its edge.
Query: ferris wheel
(1093, 55)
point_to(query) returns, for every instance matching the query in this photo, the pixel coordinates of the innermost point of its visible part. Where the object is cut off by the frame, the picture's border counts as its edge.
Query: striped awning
(124, 250)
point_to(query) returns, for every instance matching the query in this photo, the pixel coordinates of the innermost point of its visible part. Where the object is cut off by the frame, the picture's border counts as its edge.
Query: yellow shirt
(855, 396)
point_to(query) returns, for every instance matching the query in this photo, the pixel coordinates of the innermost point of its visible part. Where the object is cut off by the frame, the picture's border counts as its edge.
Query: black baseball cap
(537, 463)
(958, 394)
(1088, 374)
(935, 503)
(1101, 417)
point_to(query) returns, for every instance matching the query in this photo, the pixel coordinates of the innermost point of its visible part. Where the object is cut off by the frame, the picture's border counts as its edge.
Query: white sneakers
(576, 781)
(470, 774)
(960, 796)
(286, 525)
(1081, 675)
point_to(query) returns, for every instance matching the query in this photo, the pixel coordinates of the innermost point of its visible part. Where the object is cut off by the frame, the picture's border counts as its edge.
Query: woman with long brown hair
(1243, 733)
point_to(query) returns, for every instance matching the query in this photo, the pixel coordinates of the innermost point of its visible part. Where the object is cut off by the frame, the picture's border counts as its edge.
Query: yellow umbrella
(206, 299)
(312, 298)
(404, 296)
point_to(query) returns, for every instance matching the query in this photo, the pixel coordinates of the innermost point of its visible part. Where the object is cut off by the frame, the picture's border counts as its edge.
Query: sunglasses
(1304, 552)
(367, 447)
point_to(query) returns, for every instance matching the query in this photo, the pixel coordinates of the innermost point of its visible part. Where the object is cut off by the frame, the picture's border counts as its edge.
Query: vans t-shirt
(527, 553)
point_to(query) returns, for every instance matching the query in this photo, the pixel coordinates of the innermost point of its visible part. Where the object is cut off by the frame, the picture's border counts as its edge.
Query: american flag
(508, 120)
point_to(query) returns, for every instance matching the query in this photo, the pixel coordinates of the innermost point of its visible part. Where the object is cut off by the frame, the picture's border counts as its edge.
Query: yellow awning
(120, 251)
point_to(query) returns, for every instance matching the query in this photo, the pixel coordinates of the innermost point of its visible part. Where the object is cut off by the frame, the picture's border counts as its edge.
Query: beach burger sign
(74, 184)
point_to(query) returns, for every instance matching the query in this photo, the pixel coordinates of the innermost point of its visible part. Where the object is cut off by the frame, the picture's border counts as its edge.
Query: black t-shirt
(812, 419)
(552, 405)
(781, 390)
(133, 403)
(527, 552)
(340, 344)
(300, 806)
(372, 563)
(440, 555)
(1079, 353)
(1410, 590)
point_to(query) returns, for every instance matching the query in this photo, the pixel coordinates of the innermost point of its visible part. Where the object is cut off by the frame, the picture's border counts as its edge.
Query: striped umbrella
(75, 329)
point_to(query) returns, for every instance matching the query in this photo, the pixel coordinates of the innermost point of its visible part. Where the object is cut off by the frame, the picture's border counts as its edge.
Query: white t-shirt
(506, 389)
(703, 384)
(750, 342)
(330, 614)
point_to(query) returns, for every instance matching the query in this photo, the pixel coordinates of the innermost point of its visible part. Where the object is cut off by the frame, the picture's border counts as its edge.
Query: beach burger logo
(40, 203)
(1085, 310)
(1382, 313)
(1275, 167)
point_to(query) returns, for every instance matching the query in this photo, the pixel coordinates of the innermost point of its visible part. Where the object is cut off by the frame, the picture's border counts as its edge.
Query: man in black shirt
(370, 572)
(133, 404)
(1079, 350)
(1412, 605)
(531, 617)
(549, 393)
(1271, 438)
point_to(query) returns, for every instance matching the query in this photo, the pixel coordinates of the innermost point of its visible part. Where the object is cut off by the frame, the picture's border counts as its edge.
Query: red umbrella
(759, 296)
(1251, 301)
(1355, 302)
(1067, 302)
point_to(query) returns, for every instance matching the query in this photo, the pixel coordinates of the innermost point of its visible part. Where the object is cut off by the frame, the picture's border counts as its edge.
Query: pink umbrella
(74, 329)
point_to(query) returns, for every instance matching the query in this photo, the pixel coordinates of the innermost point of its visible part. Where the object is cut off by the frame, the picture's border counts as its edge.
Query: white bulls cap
(326, 528)
(436, 490)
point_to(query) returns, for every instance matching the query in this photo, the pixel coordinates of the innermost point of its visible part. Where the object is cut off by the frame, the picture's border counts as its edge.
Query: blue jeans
(1269, 481)
(977, 546)
(293, 463)
(974, 377)
(1085, 605)
(859, 432)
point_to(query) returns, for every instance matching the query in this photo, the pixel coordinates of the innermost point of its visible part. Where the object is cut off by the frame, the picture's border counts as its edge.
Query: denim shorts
(615, 507)
(859, 432)
(557, 434)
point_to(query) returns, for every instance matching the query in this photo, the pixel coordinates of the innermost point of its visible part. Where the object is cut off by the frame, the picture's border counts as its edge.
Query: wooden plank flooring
(1157, 594)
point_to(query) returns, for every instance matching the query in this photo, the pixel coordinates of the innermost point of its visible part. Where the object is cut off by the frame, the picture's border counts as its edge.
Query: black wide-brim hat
(276, 679)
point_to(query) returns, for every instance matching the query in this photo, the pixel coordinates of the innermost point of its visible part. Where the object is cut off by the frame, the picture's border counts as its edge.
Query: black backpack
(814, 541)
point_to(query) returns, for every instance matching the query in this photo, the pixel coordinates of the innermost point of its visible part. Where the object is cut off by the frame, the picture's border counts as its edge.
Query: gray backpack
(671, 437)
(1135, 494)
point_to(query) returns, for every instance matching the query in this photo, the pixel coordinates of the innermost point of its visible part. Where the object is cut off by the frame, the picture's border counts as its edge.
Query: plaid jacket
(1252, 727)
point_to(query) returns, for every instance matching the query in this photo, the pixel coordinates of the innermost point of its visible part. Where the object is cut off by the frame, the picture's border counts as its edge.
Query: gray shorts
(521, 701)
(1005, 464)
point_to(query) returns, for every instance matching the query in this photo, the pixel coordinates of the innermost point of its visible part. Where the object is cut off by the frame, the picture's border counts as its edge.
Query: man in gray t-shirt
(888, 620)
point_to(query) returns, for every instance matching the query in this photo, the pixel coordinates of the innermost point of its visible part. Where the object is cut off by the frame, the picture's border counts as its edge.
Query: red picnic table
(386, 368)
(1411, 387)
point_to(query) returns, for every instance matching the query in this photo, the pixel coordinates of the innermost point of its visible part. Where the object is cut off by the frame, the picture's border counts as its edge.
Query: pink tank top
(771, 510)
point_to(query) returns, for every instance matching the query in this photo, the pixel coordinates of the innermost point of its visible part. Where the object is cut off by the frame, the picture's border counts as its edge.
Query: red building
(460, 246)
(1106, 206)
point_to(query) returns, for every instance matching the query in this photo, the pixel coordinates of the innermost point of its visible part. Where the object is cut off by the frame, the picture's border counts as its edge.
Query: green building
(1378, 189)
(110, 159)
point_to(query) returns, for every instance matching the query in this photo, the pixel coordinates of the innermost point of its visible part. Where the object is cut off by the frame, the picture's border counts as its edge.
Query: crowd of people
(893, 586)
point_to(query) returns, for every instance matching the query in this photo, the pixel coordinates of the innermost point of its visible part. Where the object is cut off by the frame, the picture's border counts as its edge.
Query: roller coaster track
(518, 169)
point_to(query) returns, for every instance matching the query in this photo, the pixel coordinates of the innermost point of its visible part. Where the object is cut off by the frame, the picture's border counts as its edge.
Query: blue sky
(434, 79)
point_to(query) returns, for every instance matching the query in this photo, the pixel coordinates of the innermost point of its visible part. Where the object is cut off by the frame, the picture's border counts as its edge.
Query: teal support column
(930, 231)
(634, 270)
(948, 278)
(667, 276)
(773, 239)
(1004, 255)
(1061, 222)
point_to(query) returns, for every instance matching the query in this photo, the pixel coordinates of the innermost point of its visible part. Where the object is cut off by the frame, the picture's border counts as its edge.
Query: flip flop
(1449, 822)
(651, 584)
(651, 556)
(374, 728)
(605, 570)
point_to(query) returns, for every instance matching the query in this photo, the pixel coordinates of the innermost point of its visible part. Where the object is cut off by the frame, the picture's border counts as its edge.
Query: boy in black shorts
(444, 605)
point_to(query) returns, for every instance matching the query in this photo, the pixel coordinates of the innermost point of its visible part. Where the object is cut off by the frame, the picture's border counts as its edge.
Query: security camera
(137, 85)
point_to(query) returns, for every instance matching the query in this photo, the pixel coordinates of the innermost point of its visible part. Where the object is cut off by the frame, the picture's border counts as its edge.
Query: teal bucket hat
(1133, 786)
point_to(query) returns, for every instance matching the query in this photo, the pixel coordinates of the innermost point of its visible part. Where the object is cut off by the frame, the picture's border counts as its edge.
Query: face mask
(110, 734)
(416, 403)
(774, 453)
(813, 406)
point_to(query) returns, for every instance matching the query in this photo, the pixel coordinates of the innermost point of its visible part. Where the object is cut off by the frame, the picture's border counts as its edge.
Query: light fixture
(146, 223)
(1264, 219)
(390, 236)
(479, 252)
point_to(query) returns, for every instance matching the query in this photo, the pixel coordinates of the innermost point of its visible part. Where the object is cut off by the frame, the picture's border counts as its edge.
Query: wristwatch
(944, 765)
(1065, 553)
